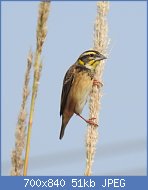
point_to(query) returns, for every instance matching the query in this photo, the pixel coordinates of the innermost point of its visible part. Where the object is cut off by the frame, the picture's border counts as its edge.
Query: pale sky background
(121, 149)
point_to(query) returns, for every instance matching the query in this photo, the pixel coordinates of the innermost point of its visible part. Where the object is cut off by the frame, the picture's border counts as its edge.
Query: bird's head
(90, 59)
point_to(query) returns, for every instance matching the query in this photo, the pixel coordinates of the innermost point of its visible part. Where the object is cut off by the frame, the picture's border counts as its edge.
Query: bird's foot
(97, 83)
(92, 118)
(89, 121)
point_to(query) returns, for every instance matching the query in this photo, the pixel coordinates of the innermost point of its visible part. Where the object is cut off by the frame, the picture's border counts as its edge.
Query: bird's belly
(79, 92)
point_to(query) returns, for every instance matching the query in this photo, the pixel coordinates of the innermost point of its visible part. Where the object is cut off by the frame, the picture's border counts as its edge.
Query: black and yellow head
(90, 59)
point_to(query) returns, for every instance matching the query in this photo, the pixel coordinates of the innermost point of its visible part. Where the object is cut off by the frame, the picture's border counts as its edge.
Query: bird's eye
(91, 55)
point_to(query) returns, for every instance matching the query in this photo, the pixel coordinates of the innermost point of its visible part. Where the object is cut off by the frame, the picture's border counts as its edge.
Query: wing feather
(67, 83)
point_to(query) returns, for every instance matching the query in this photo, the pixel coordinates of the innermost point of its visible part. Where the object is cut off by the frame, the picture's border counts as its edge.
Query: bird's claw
(97, 83)
(92, 118)
(91, 122)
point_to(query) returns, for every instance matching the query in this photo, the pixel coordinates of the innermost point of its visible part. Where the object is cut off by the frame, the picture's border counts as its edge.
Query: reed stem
(100, 44)
(20, 138)
(40, 36)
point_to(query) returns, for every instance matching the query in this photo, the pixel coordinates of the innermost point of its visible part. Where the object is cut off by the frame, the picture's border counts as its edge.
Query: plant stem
(100, 44)
(41, 35)
(16, 159)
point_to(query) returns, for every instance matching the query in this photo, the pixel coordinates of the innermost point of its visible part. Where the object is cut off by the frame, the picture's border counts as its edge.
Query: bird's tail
(62, 131)
(65, 121)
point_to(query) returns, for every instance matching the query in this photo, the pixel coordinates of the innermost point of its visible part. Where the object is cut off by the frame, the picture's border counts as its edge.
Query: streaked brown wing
(67, 82)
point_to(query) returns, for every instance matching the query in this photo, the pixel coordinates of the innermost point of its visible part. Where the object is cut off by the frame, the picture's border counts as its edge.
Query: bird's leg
(97, 83)
(89, 121)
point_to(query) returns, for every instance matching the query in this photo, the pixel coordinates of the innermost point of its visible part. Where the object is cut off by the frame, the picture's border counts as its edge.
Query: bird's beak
(101, 57)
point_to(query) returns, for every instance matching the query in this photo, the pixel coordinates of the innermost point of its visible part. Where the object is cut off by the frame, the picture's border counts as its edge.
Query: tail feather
(62, 131)
(65, 120)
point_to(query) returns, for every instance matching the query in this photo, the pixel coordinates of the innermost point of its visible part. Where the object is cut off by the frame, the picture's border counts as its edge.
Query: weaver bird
(77, 85)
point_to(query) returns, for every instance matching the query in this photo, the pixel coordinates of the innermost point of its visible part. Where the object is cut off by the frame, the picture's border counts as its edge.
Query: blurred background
(122, 144)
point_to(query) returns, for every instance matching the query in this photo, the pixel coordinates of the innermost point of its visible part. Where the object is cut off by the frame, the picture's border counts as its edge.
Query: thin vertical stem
(41, 35)
(16, 159)
(100, 44)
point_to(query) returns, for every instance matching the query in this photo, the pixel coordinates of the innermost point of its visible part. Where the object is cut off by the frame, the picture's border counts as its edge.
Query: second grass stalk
(41, 35)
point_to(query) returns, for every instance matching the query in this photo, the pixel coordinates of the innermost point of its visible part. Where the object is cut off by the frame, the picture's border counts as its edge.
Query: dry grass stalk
(16, 159)
(40, 36)
(100, 44)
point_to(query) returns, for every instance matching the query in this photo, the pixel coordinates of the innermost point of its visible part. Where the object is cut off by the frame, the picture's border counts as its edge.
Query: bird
(77, 85)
